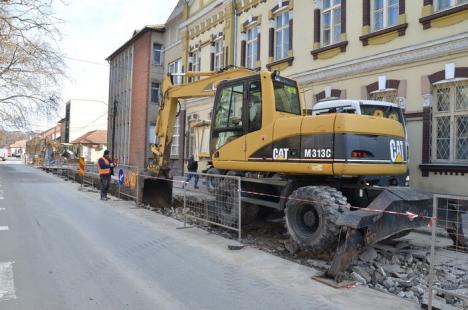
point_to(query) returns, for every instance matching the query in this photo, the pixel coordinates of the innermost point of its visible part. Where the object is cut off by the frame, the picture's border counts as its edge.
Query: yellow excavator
(330, 172)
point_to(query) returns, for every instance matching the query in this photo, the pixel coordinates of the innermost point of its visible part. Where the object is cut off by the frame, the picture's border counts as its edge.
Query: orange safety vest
(104, 171)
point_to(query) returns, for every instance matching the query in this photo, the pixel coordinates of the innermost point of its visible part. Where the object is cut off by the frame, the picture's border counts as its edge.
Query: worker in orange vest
(105, 165)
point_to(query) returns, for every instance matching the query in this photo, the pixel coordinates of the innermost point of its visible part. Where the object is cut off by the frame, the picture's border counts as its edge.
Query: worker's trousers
(105, 182)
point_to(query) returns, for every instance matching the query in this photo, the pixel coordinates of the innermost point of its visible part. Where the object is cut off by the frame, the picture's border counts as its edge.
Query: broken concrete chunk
(389, 283)
(359, 278)
(368, 255)
(392, 268)
(291, 246)
(363, 272)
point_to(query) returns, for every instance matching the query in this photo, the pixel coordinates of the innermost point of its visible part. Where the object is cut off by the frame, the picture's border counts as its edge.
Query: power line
(91, 62)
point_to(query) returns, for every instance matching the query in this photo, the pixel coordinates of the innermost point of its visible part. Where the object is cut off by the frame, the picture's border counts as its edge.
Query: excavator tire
(311, 213)
(227, 202)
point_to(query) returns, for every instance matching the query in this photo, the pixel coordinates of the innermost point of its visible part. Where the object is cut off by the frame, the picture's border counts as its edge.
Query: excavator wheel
(311, 214)
(227, 202)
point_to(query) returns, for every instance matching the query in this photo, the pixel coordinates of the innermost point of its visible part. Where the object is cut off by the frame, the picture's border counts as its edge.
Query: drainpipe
(114, 114)
(234, 31)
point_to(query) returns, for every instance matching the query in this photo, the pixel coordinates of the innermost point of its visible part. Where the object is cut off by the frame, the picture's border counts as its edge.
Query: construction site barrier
(448, 277)
(128, 181)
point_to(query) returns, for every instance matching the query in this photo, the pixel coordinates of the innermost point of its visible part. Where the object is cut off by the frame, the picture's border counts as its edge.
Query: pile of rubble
(406, 275)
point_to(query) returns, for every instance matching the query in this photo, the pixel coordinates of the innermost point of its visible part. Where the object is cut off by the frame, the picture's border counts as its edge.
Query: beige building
(173, 64)
(411, 52)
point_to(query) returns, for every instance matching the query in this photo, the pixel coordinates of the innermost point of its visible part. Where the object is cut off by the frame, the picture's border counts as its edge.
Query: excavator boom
(203, 84)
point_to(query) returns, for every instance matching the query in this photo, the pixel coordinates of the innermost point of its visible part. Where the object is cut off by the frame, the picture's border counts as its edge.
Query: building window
(196, 60)
(384, 14)
(154, 92)
(218, 55)
(175, 67)
(441, 5)
(331, 22)
(175, 139)
(282, 35)
(157, 54)
(252, 47)
(450, 121)
(195, 64)
(384, 95)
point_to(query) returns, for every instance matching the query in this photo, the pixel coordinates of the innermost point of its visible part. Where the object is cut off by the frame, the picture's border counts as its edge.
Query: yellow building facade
(413, 52)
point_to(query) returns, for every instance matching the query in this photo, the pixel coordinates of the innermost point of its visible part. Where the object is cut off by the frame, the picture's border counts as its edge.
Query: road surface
(61, 248)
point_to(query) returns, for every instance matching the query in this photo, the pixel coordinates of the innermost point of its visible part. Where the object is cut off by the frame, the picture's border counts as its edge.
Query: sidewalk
(268, 270)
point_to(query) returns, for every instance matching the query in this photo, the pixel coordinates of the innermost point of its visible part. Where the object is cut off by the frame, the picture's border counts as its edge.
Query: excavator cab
(244, 115)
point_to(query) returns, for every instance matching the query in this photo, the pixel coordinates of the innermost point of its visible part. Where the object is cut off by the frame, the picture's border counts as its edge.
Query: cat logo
(396, 151)
(280, 153)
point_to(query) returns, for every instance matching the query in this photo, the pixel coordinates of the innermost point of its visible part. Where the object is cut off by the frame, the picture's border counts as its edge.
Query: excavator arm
(171, 94)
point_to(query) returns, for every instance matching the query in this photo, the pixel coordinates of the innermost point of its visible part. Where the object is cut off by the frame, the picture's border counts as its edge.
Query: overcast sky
(92, 30)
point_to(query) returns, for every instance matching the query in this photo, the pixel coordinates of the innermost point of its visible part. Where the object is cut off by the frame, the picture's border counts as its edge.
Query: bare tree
(31, 64)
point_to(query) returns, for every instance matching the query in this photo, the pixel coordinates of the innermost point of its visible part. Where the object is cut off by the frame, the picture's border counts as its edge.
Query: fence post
(239, 201)
(433, 238)
(137, 196)
(185, 199)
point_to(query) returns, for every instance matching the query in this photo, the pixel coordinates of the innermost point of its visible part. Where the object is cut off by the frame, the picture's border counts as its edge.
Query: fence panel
(128, 181)
(212, 199)
(448, 275)
(90, 173)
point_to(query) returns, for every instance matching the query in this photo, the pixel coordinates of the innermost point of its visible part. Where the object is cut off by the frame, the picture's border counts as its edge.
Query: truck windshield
(391, 112)
(286, 98)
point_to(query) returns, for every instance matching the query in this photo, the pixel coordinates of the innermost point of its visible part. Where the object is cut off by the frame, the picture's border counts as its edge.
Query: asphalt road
(65, 249)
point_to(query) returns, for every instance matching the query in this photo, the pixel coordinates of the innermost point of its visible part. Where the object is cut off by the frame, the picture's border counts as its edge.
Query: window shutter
(226, 51)
(317, 26)
(190, 65)
(401, 7)
(426, 137)
(243, 53)
(212, 56)
(181, 135)
(343, 16)
(271, 42)
(290, 34)
(366, 12)
(258, 46)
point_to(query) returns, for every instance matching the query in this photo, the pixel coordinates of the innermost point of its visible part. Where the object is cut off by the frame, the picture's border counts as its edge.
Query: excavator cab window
(254, 98)
(286, 96)
(228, 119)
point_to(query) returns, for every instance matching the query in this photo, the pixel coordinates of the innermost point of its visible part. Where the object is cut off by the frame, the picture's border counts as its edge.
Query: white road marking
(3, 227)
(7, 284)
(2, 209)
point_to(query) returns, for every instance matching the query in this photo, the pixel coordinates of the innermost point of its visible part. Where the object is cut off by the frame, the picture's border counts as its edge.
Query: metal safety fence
(128, 181)
(448, 273)
(206, 199)
(213, 199)
(90, 175)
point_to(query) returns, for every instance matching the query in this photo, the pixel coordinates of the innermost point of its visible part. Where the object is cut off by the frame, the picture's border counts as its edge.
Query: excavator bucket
(394, 210)
(157, 192)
